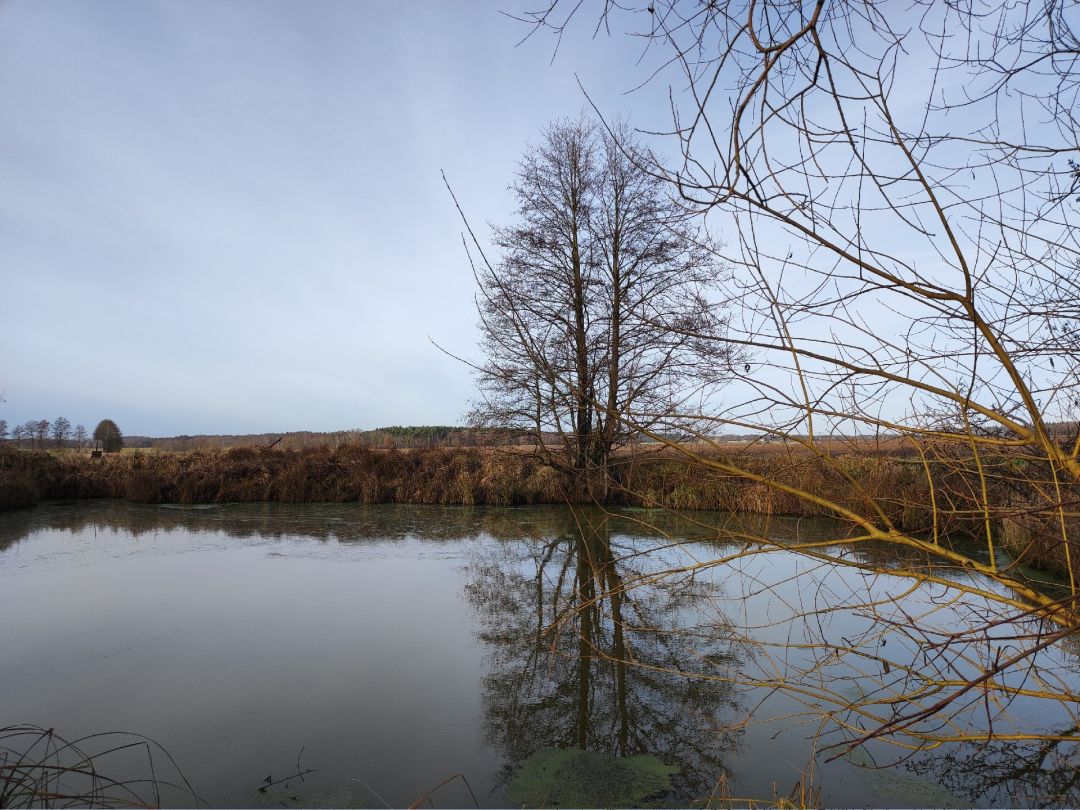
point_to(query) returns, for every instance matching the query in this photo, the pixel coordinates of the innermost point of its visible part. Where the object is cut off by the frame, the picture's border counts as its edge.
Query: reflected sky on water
(400, 645)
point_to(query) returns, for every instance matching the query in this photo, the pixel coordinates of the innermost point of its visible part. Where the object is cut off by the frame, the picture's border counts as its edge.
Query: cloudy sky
(222, 217)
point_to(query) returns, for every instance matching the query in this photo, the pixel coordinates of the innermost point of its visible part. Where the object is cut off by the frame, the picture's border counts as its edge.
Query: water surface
(392, 647)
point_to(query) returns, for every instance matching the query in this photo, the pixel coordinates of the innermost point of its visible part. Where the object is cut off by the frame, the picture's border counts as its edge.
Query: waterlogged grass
(571, 777)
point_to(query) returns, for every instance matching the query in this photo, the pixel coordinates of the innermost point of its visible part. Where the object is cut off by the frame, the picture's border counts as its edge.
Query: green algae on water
(571, 777)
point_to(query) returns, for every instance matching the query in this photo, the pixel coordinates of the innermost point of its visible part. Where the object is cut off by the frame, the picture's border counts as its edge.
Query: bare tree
(900, 183)
(61, 430)
(18, 433)
(3, 429)
(41, 432)
(80, 436)
(603, 303)
(534, 316)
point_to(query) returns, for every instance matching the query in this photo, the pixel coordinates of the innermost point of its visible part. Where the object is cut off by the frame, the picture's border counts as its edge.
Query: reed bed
(245, 474)
(941, 496)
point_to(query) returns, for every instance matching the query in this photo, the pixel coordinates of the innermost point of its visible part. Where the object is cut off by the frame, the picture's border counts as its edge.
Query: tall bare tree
(600, 303)
(41, 432)
(61, 430)
(534, 306)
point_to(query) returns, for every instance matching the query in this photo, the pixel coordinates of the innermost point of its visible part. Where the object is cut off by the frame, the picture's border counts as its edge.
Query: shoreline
(891, 485)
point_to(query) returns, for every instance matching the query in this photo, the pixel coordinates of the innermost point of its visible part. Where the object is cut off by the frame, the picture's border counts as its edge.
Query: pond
(500, 657)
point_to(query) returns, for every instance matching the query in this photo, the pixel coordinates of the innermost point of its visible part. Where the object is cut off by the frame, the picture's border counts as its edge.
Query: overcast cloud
(224, 217)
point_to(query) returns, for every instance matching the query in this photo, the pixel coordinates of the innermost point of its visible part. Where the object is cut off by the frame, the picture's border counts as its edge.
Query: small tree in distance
(109, 436)
(80, 436)
(61, 429)
(41, 432)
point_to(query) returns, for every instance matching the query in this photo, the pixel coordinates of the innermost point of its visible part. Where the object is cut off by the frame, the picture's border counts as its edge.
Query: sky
(229, 217)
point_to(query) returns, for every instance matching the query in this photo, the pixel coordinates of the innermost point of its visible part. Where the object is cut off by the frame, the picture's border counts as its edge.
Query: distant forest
(428, 436)
(416, 436)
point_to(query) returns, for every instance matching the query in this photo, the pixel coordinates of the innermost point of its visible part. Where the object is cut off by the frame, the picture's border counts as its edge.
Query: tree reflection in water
(603, 635)
(1004, 773)
(587, 651)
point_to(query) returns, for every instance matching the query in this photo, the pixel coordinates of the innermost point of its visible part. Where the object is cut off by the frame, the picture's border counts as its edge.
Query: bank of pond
(943, 496)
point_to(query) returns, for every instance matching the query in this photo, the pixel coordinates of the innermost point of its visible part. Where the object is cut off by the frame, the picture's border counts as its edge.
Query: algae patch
(570, 777)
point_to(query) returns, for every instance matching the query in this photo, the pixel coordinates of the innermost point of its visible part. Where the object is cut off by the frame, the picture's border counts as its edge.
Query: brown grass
(246, 474)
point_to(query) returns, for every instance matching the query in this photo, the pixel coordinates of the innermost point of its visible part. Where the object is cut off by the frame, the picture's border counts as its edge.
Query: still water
(387, 649)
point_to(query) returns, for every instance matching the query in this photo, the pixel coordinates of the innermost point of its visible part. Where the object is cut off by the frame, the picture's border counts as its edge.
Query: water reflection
(572, 638)
(345, 523)
(587, 652)
(998, 774)
(358, 522)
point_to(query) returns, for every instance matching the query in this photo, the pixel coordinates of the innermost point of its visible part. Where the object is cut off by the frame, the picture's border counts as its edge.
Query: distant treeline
(413, 436)
(431, 436)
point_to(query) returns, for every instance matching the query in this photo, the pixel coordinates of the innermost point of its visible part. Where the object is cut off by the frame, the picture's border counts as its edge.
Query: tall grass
(246, 474)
